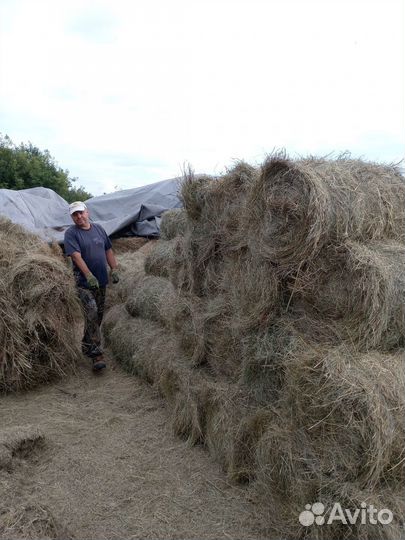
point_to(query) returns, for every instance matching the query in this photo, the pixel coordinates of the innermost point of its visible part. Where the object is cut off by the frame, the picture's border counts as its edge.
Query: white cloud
(205, 82)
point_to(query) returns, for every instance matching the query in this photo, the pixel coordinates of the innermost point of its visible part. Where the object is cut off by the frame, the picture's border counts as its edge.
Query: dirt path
(110, 468)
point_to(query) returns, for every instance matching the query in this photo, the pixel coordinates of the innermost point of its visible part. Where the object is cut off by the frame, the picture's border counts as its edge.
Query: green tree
(26, 166)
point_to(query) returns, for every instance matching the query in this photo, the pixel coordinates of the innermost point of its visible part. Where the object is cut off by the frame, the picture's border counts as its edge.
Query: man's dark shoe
(98, 363)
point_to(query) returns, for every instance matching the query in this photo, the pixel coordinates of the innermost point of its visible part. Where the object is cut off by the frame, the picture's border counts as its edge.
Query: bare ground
(103, 463)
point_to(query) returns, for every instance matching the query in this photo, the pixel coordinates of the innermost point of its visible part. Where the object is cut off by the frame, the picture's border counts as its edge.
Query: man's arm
(79, 262)
(112, 261)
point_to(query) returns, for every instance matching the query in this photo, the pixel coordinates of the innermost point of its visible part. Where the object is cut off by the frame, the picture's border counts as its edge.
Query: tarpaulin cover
(130, 212)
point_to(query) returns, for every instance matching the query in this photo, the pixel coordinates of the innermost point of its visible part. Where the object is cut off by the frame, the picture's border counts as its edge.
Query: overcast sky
(124, 93)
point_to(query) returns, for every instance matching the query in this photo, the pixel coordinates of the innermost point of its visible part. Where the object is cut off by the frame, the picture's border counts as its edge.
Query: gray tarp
(129, 212)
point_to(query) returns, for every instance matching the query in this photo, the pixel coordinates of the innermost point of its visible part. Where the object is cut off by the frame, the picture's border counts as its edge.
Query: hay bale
(354, 405)
(359, 290)
(295, 208)
(44, 291)
(131, 268)
(288, 478)
(159, 261)
(127, 244)
(39, 312)
(214, 210)
(142, 347)
(149, 298)
(339, 423)
(111, 318)
(173, 223)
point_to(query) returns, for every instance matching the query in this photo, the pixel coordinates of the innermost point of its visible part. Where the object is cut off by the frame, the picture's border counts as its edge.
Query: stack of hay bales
(286, 323)
(39, 311)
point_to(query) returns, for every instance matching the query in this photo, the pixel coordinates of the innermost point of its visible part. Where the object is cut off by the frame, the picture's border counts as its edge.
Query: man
(90, 249)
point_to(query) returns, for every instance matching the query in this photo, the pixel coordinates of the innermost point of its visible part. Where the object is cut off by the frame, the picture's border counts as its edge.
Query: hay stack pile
(39, 311)
(278, 337)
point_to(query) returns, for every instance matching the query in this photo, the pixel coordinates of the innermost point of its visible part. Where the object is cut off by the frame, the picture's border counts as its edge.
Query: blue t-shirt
(92, 245)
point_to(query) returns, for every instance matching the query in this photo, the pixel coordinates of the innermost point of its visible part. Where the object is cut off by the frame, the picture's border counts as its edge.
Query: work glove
(92, 282)
(115, 277)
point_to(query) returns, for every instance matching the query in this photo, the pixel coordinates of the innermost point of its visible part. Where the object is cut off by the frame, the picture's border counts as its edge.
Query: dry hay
(192, 193)
(182, 316)
(197, 263)
(181, 270)
(16, 241)
(159, 261)
(287, 477)
(173, 223)
(263, 352)
(233, 426)
(155, 299)
(214, 211)
(142, 347)
(183, 388)
(353, 402)
(252, 290)
(339, 424)
(204, 333)
(56, 249)
(297, 207)
(150, 298)
(358, 289)
(39, 312)
(14, 349)
(131, 271)
(30, 521)
(222, 353)
(18, 442)
(216, 203)
(127, 244)
(148, 247)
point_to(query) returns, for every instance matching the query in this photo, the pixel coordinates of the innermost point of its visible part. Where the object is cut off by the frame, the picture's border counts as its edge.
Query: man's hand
(92, 282)
(115, 277)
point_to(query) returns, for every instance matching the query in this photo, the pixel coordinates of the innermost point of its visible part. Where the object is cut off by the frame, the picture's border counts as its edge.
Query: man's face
(81, 219)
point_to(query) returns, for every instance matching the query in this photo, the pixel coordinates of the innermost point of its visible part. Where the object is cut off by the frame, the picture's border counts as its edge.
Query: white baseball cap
(77, 206)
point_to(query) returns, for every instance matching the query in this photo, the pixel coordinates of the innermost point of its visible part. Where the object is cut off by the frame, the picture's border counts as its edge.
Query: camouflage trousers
(93, 309)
